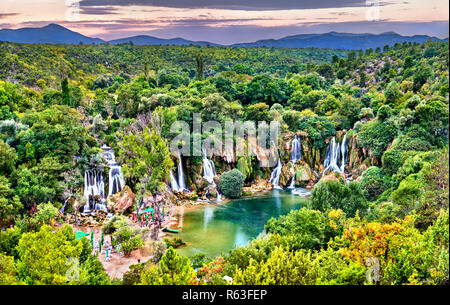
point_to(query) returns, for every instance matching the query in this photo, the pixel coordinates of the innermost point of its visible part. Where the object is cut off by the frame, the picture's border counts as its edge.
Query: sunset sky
(228, 21)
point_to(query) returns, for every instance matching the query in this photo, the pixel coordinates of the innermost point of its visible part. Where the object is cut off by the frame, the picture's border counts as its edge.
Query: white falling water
(343, 153)
(275, 176)
(94, 186)
(209, 172)
(173, 181)
(296, 152)
(292, 185)
(181, 183)
(335, 152)
(116, 180)
(296, 155)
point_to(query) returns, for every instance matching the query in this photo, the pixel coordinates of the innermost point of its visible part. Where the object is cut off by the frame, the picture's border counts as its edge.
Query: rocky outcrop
(122, 201)
(258, 186)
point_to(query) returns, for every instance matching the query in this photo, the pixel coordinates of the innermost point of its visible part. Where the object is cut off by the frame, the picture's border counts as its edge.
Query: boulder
(304, 174)
(120, 202)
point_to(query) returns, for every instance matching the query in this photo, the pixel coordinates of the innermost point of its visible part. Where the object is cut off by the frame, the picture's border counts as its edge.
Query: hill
(333, 40)
(50, 34)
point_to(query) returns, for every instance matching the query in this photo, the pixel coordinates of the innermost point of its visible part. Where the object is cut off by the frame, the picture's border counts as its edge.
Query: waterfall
(61, 210)
(292, 185)
(173, 182)
(116, 181)
(296, 152)
(209, 172)
(343, 152)
(296, 155)
(181, 183)
(335, 152)
(275, 176)
(94, 186)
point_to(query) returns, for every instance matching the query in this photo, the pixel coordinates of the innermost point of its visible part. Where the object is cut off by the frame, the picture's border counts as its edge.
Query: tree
(282, 268)
(8, 271)
(8, 157)
(65, 92)
(310, 225)
(231, 183)
(43, 256)
(146, 156)
(173, 270)
(331, 194)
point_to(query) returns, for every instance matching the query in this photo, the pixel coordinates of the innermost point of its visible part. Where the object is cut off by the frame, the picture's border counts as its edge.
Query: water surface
(215, 228)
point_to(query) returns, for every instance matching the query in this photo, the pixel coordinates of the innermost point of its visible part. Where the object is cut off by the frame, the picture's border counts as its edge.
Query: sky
(229, 21)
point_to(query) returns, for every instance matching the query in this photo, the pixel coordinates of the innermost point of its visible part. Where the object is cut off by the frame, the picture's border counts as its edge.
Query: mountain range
(56, 34)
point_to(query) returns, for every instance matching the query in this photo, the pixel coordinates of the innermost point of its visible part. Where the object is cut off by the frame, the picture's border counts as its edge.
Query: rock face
(122, 201)
(259, 186)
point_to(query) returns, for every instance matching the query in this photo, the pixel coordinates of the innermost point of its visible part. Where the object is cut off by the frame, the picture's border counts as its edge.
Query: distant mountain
(142, 40)
(52, 34)
(333, 40)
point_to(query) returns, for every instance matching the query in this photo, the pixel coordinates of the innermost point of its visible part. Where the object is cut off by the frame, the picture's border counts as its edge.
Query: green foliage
(43, 256)
(231, 183)
(281, 268)
(376, 135)
(311, 226)
(331, 194)
(173, 270)
(8, 271)
(374, 183)
(318, 129)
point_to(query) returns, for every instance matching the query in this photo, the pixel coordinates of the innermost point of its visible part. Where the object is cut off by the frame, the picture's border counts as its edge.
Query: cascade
(116, 182)
(335, 152)
(296, 152)
(181, 183)
(296, 155)
(173, 182)
(343, 153)
(61, 210)
(275, 176)
(292, 185)
(93, 187)
(209, 172)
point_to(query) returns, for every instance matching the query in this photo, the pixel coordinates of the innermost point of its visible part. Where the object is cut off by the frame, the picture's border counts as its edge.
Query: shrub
(231, 183)
(374, 183)
(392, 160)
(328, 195)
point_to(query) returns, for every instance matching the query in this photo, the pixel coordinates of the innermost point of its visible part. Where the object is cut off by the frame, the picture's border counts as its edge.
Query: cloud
(6, 15)
(250, 5)
(98, 10)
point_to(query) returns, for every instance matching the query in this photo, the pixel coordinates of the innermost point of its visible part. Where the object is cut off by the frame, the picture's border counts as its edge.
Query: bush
(174, 242)
(328, 195)
(376, 135)
(392, 160)
(311, 225)
(374, 183)
(231, 183)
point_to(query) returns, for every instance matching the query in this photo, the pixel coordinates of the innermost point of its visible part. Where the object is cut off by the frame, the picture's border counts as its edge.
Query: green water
(214, 229)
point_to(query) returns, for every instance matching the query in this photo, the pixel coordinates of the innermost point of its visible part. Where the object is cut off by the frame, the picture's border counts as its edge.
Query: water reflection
(217, 228)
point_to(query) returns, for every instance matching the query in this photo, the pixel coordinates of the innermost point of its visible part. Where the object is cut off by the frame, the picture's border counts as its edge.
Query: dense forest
(60, 104)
